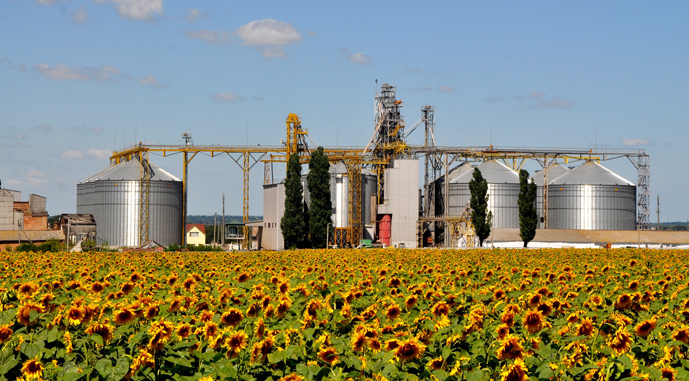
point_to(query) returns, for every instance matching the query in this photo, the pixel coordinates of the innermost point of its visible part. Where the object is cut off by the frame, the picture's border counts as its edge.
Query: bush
(26, 247)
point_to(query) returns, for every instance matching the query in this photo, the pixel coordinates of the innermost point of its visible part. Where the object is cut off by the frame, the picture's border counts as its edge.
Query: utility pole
(215, 228)
(222, 230)
(658, 211)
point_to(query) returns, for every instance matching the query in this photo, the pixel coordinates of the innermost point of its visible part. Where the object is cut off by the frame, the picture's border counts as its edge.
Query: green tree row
(307, 225)
(482, 218)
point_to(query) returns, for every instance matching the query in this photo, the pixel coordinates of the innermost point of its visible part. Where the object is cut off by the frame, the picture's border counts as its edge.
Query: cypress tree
(292, 224)
(528, 218)
(320, 208)
(481, 218)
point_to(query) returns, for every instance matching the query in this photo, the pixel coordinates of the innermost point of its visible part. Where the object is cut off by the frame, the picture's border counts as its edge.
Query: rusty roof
(597, 236)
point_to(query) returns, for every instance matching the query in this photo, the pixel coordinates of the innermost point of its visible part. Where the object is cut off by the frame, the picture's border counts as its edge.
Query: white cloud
(72, 155)
(555, 103)
(518, 97)
(48, 2)
(268, 32)
(99, 154)
(96, 130)
(357, 58)
(145, 10)
(194, 15)
(361, 59)
(636, 142)
(536, 94)
(494, 99)
(149, 80)
(423, 88)
(269, 36)
(210, 36)
(63, 72)
(446, 89)
(80, 15)
(226, 97)
(44, 128)
(34, 173)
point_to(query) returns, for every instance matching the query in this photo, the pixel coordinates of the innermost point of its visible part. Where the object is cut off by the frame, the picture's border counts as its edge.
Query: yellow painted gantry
(355, 158)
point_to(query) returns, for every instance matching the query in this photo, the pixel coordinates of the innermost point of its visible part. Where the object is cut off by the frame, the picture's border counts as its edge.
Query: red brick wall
(35, 223)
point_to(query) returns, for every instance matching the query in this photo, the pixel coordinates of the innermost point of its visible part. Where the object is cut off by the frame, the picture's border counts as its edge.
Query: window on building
(194, 234)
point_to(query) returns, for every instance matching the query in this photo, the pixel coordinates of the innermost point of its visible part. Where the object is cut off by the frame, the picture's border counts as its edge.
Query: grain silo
(554, 171)
(339, 194)
(439, 187)
(503, 191)
(591, 197)
(112, 196)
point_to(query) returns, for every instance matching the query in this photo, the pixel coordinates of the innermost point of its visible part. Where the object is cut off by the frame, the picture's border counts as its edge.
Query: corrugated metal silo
(503, 191)
(591, 197)
(439, 188)
(112, 196)
(554, 171)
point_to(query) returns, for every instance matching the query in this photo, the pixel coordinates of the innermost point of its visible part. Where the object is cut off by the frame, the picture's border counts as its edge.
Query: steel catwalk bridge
(438, 160)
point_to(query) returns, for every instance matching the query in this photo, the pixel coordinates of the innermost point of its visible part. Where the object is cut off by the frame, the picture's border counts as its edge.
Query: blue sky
(81, 78)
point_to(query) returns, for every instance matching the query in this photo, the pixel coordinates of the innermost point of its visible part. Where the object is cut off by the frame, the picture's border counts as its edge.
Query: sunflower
(283, 287)
(260, 351)
(68, 342)
(232, 317)
(24, 313)
(621, 341)
(644, 328)
(183, 330)
(436, 363)
(535, 300)
(545, 309)
(503, 330)
(533, 321)
(292, 377)
(237, 341)
(32, 369)
(681, 335)
(668, 373)
(391, 345)
(283, 307)
(596, 300)
(510, 348)
(410, 302)
(151, 312)
(515, 372)
(97, 287)
(586, 328)
(127, 288)
(28, 288)
(358, 341)
(623, 302)
(206, 316)
(210, 329)
(329, 355)
(440, 309)
(124, 316)
(259, 328)
(507, 318)
(75, 315)
(410, 349)
(393, 312)
(104, 330)
(5, 333)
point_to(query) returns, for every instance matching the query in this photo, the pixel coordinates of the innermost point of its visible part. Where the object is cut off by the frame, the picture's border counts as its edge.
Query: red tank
(385, 229)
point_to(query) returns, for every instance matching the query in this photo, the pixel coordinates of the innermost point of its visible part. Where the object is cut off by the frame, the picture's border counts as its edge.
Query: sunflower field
(376, 314)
